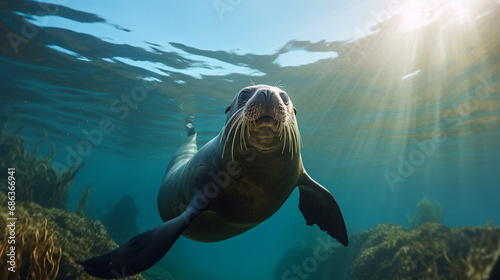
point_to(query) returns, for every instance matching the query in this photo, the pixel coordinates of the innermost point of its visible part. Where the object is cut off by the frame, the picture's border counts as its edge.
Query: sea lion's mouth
(265, 122)
(264, 132)
(265, 119)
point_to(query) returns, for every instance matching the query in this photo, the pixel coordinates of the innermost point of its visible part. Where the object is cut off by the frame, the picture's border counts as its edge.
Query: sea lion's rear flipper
(319, 207)
(140, 252)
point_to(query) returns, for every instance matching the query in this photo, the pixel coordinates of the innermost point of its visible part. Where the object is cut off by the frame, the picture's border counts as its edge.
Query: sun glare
(417, 13)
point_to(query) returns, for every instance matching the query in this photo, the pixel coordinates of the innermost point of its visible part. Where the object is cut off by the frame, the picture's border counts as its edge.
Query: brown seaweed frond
(4, 250)
(429, 254)
(456, 266)
(83, 201)
(34, 151)
(64, 184)
(43, 262)
(483, 253)
(42, 183)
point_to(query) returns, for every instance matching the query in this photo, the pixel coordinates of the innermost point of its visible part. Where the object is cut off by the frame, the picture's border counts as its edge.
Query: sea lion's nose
(269, 99)
(268, 95)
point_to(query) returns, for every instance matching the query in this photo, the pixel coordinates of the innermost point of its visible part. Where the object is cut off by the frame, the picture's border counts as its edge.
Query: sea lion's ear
(227, 110)
(295, 110)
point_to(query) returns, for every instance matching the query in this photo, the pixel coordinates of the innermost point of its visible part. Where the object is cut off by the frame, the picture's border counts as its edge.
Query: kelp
(45, 258)
(41, 183)
(36, 256)
(83, 201)
(53, 241)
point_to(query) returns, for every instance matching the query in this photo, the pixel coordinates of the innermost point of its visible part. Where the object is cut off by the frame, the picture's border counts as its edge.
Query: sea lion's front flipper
(319, 207)
(142, 251)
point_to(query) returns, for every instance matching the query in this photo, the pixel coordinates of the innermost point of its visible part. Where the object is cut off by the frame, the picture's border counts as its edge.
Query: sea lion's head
(261, 117)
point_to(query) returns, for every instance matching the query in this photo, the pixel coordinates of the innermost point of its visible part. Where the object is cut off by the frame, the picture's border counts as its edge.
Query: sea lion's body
(245, 191)
(234, 182)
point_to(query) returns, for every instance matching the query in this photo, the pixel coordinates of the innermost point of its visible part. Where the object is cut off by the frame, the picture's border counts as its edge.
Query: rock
(79, 238)
(121, 220)
(389, 251)
(431, 251)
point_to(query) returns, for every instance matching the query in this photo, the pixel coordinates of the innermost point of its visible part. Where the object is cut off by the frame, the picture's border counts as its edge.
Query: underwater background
(398, 105)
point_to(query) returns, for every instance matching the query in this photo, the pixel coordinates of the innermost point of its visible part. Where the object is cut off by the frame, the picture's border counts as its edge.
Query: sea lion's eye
(284, 97)
(244, 96)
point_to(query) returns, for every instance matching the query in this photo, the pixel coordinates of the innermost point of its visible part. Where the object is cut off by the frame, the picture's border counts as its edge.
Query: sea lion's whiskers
(296, 135)
(239, 121)
(290, 139)
(227, 135)
(284, 127)
(277, 126)
(234, 120)
(248, 128)
(290, 131)
(234, 125)
(240, 130)
(242, 134)
(230, 120)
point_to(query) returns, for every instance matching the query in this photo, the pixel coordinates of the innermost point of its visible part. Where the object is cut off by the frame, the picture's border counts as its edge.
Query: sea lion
(234, 182)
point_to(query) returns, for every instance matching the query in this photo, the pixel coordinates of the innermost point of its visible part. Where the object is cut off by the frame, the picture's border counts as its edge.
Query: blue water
(388, 113)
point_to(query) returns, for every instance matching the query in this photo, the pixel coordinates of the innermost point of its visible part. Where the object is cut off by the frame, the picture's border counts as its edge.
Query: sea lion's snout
(267, 106)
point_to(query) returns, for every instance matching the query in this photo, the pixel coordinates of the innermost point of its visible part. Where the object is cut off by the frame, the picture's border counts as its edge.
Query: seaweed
(431, 251)
(40, 259)
(43, 262)
(430, 255)
(5, 255)
(483, 254)
(83, 201)
(43, 252)
(63, 240)
(42, 183)
(428, 211)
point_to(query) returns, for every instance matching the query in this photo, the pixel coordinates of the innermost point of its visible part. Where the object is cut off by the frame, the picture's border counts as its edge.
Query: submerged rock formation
(65, 238)
(46, 241)
(388, 251)
(120, 220)
(431, 251)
